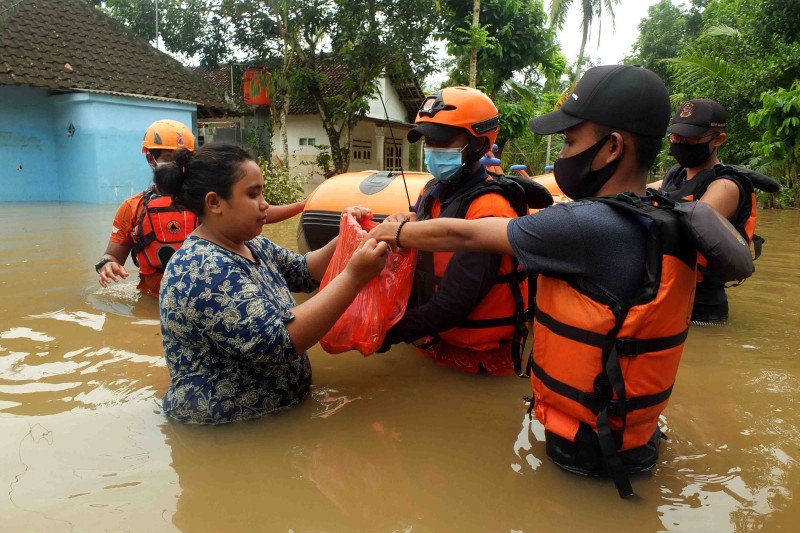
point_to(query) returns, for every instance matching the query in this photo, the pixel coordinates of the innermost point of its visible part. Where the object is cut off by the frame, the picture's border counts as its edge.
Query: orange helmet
(459, 107)
(167, 135)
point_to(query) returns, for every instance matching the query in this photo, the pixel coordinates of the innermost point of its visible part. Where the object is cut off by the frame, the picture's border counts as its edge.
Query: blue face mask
(444, 163)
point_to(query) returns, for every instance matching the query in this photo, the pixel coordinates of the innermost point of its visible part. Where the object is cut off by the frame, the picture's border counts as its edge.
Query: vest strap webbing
(521, 317)
(590, 400)
(625, 347)
(617, 470)
(611, 442)
(601, 402)
(758, 243)
(593, 401)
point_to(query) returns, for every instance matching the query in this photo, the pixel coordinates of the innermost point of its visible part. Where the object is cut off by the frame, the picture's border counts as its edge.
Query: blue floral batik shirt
(223, 319)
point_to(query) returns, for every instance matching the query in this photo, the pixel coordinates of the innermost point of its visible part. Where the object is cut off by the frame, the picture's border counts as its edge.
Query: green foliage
(191, 27)
(530, 149)
(323, 162)
(516, 105)
(730, 51)
(661, 35)
(280, 186)
(514, 37)
(369, 37)
(778, 150)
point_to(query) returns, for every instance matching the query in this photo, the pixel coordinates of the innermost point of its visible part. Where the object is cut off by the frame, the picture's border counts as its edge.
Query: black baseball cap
(695, 117)
(622, 97)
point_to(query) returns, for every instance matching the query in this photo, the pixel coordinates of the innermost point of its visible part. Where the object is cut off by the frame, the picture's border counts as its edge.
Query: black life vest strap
(594, 401)
(758, 243)
(521, 317)
(138, 244)
(624, 346)
(590, 400)
(519, 320)
(611, 442)
(613, 462)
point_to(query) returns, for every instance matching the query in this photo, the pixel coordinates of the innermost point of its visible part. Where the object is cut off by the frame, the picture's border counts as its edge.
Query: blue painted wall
(100, 163)
(27, 146)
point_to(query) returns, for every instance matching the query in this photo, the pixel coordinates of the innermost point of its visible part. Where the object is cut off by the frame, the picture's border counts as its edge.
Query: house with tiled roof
(77, 91)
(378, 141)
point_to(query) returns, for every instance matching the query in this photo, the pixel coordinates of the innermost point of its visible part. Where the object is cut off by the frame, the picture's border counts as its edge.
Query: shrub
(280, 186)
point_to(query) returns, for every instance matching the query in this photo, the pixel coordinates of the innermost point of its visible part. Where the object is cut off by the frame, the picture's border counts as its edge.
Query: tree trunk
(284, 116)
(473, 53)
(340, 155)
(796, 180)
(579, 64)
(549, 148)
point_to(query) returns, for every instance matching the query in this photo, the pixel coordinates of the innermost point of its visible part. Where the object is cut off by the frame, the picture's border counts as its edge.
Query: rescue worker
(149, 233)
(615, 276)
(470, 313)
(148, 226)
(696, 134)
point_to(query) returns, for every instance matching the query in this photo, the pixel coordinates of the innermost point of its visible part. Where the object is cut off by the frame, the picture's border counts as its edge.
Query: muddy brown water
(386, 443)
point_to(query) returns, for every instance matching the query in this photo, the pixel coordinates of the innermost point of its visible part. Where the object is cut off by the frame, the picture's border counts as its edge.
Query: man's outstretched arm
(449, 235)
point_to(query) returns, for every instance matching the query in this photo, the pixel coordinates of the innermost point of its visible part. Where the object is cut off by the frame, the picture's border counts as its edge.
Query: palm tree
(592, 10)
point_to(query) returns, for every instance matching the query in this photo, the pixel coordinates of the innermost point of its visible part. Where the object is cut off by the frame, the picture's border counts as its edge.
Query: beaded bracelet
(397, 237)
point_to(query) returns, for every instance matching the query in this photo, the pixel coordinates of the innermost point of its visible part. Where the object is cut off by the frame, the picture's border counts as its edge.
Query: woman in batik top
(235, 339)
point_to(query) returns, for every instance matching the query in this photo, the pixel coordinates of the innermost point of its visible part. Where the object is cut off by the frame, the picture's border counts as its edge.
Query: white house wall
(394, 107)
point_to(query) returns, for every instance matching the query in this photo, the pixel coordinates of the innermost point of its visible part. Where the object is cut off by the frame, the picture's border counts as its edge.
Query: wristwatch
(102, 262)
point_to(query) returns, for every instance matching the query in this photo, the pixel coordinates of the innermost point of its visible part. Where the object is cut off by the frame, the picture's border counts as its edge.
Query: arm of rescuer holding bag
(488, 235)
(450, 305)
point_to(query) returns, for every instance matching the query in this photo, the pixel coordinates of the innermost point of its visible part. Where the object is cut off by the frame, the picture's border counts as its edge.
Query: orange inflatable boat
(385, 193)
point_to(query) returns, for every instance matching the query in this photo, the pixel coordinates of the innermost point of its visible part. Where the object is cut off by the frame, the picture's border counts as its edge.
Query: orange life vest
(501, 317)
(160, 231)
(610, 368)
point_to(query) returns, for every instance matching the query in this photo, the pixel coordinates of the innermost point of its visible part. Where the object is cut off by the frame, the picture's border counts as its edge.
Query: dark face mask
(575, 175)
(690, 155)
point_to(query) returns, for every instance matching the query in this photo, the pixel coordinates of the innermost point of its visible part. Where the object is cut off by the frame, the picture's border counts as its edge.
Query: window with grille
(362, 150)
(393, 154)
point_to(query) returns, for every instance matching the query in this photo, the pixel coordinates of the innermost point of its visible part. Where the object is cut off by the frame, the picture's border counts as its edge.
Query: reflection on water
(386, 443)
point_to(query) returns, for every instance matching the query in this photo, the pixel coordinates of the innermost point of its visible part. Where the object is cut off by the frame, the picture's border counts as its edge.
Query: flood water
(386, 443)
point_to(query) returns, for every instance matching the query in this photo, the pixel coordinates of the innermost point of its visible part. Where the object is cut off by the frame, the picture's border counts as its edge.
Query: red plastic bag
(382, 301)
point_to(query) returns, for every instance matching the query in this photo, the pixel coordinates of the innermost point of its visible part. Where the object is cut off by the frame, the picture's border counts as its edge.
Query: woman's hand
(408, 216)
(359, 212)
(368, 261)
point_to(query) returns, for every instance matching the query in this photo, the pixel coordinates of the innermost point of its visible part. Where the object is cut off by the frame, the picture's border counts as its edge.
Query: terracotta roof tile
(38, 37)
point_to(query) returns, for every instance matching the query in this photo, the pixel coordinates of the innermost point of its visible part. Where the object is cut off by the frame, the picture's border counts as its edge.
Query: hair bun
(182, 159)
(170, 177)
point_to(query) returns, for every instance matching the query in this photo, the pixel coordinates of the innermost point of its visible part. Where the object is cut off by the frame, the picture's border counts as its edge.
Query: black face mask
(575, 175)
(690, 155)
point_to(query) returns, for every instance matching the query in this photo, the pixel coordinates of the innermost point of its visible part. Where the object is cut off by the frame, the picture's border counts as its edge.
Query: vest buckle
(627, 347)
